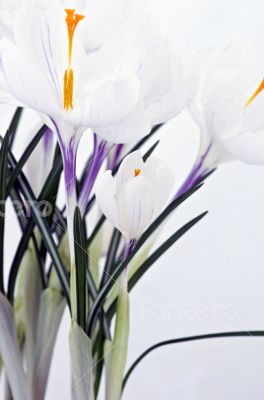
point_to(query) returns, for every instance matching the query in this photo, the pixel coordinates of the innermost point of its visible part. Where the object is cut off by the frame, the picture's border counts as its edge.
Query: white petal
(127, 168)
(105, 196)
(135, 206)
(81, 363)
(225, 104)
(10, 352)
(129, 130)
(108, 100)
(103, 17)
(26, 83)
(247, 146)
(163, 184)
(253, 119)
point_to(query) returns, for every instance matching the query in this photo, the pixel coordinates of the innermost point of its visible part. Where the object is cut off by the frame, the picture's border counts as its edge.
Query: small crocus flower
(137, 195)
(228, 110)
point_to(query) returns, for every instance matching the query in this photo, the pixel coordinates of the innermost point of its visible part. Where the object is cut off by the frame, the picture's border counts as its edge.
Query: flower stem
(97, 159)
(116, 360)
(69, 153)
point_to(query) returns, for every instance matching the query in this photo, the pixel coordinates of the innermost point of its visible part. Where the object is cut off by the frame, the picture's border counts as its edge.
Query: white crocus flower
(130, 203)
(46, 66)
(137, 195)
(228, 109)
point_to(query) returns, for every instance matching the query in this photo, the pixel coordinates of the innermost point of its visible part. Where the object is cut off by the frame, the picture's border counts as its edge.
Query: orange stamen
(137, 172)
(257, 92)
(72, 21)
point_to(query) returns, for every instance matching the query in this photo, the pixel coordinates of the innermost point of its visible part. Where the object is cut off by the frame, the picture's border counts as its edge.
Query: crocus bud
(137, 195)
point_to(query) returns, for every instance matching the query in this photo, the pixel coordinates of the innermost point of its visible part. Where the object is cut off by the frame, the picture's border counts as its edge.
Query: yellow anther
(72, 21)
(137, 172)
(256, 93)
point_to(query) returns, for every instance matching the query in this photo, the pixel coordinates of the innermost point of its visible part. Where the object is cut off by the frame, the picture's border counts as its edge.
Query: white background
(213, 278)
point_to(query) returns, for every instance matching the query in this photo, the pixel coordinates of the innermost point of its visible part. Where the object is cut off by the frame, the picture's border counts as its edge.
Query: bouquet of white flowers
(104, 69)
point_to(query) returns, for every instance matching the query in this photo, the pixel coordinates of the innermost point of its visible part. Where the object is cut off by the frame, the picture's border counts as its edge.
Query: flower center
(137, 172)
(72, 21)
(256, 93)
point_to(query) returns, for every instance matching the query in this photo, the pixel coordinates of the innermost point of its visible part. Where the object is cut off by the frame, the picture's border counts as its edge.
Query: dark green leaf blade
(43, 227)
(14, 125)
(162, 249)
(46, 194)
(150, 151)
(118, 270)
(25, 156)
(190, 339)
(3, 177)
(80, 266)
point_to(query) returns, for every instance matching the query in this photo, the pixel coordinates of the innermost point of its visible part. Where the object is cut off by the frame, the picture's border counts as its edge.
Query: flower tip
(137, 172)
(256, 93)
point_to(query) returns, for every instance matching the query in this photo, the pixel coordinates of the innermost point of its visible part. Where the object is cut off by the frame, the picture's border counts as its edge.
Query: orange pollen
(137, 172)
(72, 21)
(256, 93)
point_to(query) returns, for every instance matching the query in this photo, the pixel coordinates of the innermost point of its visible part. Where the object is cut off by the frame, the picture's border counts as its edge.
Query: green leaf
(111, 254)
(14, 125)
(3, 176)
(150, 151)
(96, 230)
(153, 258)
(118, 270)
(162, 249)
(248, 334)
(44, 229)
(146, 138)
(47, 193)
(80, 266)
(25, 156)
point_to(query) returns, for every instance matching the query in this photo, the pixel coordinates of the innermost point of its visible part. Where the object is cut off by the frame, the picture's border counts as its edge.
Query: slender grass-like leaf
(162, 249)
(154, 257)
(248, 334)
(3, 177)
(25, 156)
(146, 138)
(44, 229)
(111, 254)
(47, 192)
(96, 230)
(150, 151)
(81, 267)
(17, 202)
(118, 270)
(14, 125)
(83, 274)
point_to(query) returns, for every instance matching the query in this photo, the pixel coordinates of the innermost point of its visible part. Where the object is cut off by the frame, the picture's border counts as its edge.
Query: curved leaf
(190, 339)
(162, 249)
(3, 176)
(81, 267)
(118, 270)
